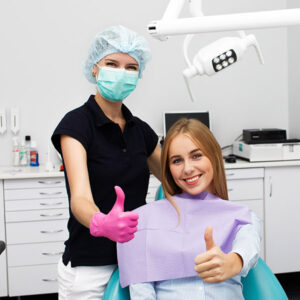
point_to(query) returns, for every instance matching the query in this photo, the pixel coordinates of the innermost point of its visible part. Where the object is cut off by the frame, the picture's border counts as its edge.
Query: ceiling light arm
(228, 22)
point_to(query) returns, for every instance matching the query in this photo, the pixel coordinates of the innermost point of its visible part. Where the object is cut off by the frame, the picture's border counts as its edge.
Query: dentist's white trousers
(82, 283)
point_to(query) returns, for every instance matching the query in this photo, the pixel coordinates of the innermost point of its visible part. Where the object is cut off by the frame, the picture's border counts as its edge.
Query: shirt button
(124, 150)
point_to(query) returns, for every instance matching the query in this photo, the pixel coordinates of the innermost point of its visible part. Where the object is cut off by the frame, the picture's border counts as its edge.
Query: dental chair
(259, 284)
(2, 246)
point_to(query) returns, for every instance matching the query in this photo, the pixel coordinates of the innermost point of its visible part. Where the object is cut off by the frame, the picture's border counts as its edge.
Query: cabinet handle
(54, 231)
(230, 174)
(49, 279)
(49, 182)
(230, 190)
(52, 254)
(271, 186)
(50, 194)
(51, 216)
(51, 204)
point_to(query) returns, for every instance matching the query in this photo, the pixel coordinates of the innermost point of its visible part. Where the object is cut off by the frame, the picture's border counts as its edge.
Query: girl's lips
(192, 180)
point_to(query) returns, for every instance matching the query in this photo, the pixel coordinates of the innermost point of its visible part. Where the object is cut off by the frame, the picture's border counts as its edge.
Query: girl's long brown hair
(203, 138)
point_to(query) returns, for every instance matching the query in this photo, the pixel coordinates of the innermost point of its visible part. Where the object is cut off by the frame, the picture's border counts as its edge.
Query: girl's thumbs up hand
(214, 265)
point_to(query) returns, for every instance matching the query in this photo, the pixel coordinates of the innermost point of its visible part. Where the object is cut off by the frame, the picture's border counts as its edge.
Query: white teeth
(192, 179)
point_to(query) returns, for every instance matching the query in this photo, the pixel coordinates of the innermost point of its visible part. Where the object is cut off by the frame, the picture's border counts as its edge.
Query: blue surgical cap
(116, 39)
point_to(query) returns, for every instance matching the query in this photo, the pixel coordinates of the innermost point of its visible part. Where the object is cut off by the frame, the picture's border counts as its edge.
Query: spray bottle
(23, 154)
(27, 146)
(34, 155)
(15, 152)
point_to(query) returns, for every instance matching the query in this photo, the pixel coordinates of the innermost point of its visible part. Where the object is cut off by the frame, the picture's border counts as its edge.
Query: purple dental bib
(162, 249)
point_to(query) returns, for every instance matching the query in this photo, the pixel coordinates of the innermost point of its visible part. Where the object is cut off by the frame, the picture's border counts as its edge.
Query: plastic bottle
(27, 146)
(23, 154)
(34, 155)
(15, 151)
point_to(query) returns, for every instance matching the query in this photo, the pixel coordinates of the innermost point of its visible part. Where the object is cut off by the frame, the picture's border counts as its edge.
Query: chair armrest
(261, 283)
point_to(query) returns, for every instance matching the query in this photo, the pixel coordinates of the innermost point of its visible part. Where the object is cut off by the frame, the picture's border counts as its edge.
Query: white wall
(294, 75)
(43, 44)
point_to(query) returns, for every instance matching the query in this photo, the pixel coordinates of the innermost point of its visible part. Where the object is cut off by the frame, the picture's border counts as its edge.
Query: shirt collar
(99, 116)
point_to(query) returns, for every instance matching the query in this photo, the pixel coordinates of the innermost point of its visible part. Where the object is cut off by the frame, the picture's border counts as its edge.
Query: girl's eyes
(197, 155)
(176, 161)
(179, 160)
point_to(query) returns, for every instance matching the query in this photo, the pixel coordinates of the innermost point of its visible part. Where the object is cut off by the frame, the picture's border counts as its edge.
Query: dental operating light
(224, 52)
(170, 24)
(218, 56)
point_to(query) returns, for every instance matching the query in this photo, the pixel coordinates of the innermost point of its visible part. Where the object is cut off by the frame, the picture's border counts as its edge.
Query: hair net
(116, 39)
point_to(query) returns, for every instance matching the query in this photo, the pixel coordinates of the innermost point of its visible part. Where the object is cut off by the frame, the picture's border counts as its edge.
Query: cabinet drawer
(32, 280)
(245, 189)
(37, 215)
(34, 254)
(17, 205)
(244, 173)
(34, 183)
(36, 232)
(18, 194)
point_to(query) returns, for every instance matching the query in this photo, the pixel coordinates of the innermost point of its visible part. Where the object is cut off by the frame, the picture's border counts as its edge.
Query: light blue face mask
(116, 84)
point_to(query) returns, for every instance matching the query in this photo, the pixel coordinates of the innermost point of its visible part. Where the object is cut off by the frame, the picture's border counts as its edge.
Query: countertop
(10, 172)
(241, 164)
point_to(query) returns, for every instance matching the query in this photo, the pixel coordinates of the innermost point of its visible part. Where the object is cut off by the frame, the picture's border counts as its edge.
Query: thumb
(208, 237)
(119, 204)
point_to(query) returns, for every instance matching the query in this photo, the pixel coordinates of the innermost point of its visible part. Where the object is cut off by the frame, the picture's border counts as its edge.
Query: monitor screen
(170, 118)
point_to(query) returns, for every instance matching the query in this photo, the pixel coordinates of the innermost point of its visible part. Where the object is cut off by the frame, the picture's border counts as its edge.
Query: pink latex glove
(117, 225)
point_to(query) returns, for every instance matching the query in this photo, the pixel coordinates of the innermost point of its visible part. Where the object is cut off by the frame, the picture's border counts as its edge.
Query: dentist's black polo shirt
(113, 158)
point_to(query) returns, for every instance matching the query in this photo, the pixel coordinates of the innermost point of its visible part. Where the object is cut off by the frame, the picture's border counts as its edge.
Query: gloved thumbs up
(208, 237)
(117, 225)
(119, 204)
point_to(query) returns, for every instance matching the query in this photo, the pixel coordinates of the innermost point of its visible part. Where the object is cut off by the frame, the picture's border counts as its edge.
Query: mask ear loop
(95, 74)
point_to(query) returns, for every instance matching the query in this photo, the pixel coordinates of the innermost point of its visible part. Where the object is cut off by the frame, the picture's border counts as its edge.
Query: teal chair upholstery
(259, 284)
(114, 291)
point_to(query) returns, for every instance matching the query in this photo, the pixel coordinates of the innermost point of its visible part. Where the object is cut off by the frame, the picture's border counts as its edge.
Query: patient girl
(194, 244)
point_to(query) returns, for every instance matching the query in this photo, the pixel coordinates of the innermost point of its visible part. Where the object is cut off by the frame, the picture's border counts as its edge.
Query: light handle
(252, 41)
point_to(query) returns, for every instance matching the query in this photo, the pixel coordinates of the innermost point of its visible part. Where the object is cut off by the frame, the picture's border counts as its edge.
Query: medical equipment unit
(266, 145)
(226, 51)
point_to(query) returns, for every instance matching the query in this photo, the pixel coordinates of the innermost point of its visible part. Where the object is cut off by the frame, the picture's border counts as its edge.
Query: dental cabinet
(3, 267)
(282, 207)
(246, 186)
(35, 210)
(34, 214)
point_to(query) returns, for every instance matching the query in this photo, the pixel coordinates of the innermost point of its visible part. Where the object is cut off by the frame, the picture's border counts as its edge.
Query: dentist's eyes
(111, 64)
(132, 68)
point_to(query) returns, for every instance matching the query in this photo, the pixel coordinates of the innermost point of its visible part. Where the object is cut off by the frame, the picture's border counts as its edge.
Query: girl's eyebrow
(177, 155)
(174, 156)
(195, 150)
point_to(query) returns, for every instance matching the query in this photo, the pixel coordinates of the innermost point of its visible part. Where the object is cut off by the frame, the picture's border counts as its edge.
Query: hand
(117, 225)
(214, 265)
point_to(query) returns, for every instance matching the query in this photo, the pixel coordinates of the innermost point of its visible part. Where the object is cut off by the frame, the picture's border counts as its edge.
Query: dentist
(105, 151)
